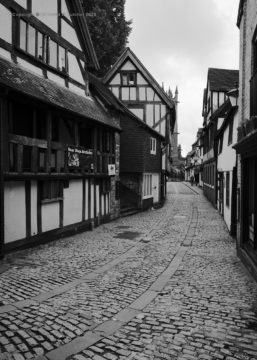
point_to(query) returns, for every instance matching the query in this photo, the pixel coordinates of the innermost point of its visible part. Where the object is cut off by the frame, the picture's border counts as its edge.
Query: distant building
(246, 146)
(194, 161)
(219, 82)
(132, 83)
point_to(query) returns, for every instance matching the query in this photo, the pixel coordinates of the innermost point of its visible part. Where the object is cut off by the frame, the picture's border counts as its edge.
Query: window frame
(126, 74)
(153, 146)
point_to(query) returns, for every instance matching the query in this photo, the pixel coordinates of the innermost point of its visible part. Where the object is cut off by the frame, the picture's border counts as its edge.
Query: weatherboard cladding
(222, 79)
(135, 148)
(20, 80)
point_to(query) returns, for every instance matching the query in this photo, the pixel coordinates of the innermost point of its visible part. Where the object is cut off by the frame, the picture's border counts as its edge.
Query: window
(152, 146)
(227, 188)
(128, 78)
(147, 185)
(35, 43)
(51, 190)
(52, 48)
(230, 132)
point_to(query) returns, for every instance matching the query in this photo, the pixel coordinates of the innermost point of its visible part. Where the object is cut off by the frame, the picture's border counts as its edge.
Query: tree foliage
(108, 28)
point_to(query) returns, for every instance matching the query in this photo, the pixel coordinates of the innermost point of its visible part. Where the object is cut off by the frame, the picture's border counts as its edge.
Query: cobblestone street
(161, 284)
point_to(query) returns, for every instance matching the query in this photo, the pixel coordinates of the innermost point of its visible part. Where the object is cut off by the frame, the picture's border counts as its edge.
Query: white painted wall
(5, 24)
(50, 216)
(115, 80)
(22, 3)
(86, 199)
(142, 94)
(70, 35)
(14, 211)
(115, 91)
(46, 10)
(215, 100)
(149, 114)
(157, 113)
(156, 97)
(156, 187)
(72, 203)
(149, 94)
(6, 54)
(74, 69)
(34, 229)
(133, 93)
(77, 89)
(32, 68)
(128, 66)
(141, 80)
(163, 127)
(163, 110)
(124, 93)
(138, 112)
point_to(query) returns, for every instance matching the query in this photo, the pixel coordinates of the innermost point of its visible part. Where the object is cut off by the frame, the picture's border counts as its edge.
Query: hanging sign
(80, 158)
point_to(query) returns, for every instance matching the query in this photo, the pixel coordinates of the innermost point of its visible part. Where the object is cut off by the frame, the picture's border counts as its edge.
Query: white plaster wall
(142, 94)
(22, 3)
(163, 110)
(74, 69)
(115, 80)
(92, 201)
(6, 54)
(156, 97)
(227, 158)
(70, 35)
(97, 200)
(115, 91)
(215, 100)
(128, 66)
(156, 187)
(76, 89)
(34, 69)
(46, 11)
(140, 80)
(125, 93)
(14, 211)
(50, 216)
(133, 93)
(149, 94)
(34, 229)
(149, 114)
(86, 199)
(72, 203)
(138, 112)
(227, 209)
(5, 24)
(157, 112)
(163, 127)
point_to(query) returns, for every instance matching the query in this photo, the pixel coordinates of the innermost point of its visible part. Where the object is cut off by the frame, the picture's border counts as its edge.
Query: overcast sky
(177, 41)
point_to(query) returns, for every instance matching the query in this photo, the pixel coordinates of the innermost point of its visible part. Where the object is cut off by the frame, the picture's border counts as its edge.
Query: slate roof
(18, 79)
(222, 79)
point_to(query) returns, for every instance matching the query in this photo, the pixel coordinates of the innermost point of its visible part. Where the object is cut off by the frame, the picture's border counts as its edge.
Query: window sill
(147, 197)
(49, 201)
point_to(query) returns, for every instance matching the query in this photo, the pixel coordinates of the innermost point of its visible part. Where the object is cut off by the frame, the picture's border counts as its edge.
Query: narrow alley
(161, 284)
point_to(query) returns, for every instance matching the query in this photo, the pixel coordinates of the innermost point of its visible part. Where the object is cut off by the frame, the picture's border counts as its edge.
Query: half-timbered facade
(131, 82)
(246, 146)
(219, 82)
(59, 142)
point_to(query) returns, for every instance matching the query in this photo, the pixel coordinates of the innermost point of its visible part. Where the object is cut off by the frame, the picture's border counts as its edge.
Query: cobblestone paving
(207, 310)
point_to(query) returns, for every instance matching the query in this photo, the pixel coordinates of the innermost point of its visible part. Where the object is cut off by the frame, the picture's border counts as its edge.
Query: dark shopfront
(247, 192)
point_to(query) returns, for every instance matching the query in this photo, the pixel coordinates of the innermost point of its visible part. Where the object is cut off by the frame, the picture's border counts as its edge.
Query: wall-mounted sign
(79, 157)
(111, 169)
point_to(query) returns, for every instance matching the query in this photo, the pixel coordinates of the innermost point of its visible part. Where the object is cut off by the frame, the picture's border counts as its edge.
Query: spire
(176, 94)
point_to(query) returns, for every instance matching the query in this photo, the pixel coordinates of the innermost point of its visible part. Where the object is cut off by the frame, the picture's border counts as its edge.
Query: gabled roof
(240, 12)
(222, 79)
(80, 24)
(20, 80)
(128, 54)
(112, 101)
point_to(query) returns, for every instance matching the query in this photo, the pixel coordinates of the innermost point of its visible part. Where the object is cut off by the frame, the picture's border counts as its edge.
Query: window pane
(40, 46)
(52, 53)
(62, 59)
(32, 40)
(23, 30)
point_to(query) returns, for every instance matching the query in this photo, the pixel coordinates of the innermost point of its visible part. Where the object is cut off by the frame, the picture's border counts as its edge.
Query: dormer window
(128, 78)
